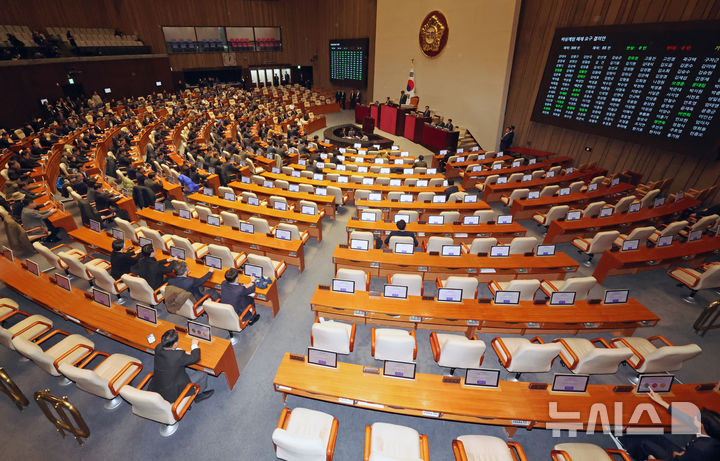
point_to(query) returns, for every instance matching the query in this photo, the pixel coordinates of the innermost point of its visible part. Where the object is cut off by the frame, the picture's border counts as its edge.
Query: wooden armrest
(331, 440)
(568, 349)
(687, 271)
(111, 385)
(352, 337)
(538, 340)
(516, 448)
(494, 286)
(465, 247)
(640, 357)
(37, 322)
(601, 341)
(459, 450)
(435, 345)
(661, 338)
(50, 335)
(622, 453)
(119, 285)
(497, 343)
(156, 294)
(372, 341)
(412, 333)
(368, 439)
(61, 246)
(178, 401)
(424, 449)
(56, 363)
(92, 356)
(284, 418)
(565, 456)
(248, 308)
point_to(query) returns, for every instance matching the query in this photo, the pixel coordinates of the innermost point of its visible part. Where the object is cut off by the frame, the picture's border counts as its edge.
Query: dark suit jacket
(152, 271)
(426, 114)
(170, 377)
(451, 190)
(403, 99)
(506, 141)
(120, 263)
(236, 295)
(400, 233)
(190, 284)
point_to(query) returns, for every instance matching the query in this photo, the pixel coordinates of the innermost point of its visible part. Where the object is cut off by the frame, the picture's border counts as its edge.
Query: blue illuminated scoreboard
(349, 61)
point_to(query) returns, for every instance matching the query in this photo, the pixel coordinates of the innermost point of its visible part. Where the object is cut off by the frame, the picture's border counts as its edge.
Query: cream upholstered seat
(425, 196)
(260, 225)
(457, 197)
(54, 259)
(306, 203)
(581, 356)
(456, 351)
(410, 182)
(624, 203)
(360, 277)
(141, 291)
(593, 209)
(103, 280)
(413, 282)
(282, 184)
(230, 219)
(485, 216)
(515, 177)
(277, 199)
(224, 317)
(450, 217)
(549, 191)
(435, 243)
(181, 205)
(673, 229)
(257, 179)
(336, 192)
(556, 212)
(362, 235)
(151, 405)
(203, 212)
(601, 242)
(391, 442)
(305, 435)
(482, 245)
(76, 267)
(106, 379)
(362, 194)
(195, 250)
(130, 231)
(649, 198)
(228, 258)
(526, 287)
(641, 234)
(295, 233)
(576, 186)
(7, 306)
(516, 194)
(648, 358)
(580, 285)
(71, 349)
(468, 285)
(436, 182)
(522, 355)
(399, 239)
(222, 190)
(585, 452)
(160, 242)
(411, 214)
(306, 174)
(490, 179)
(306, 188)
(523, 245)
(701, 224)
(707, 277)
(538, 174)
(333, 336)
(393, 344)
(29, 328)
(486, 448)
(246, 195)
(382, 181)
(270, 267)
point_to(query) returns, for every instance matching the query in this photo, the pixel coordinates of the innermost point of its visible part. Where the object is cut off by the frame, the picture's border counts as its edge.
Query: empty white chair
(142, 292)
(457, 351)
(641, 234)
(382, 181)
(54, 259)
(649, 198)
(425, 197)
(305, 435)
(362, 235)
(468, 285)
(230, 219)
(394, 196)
(515, 195)
(246, 196)
(601, 242)
(277, 199)
(522, 355)
(306, 203)
(391, 442)
(515, 177)
(708, 276)
(411, 214)
(362, 194)
(103, 280)
(624, 203)
(180, 205)
(306, 188)
(550, 190)
(486, 448)
(330, 335)
(580, 285)
(538, 174)
(128, 229)
(457, 197)
(411, 182)
(222, 190)
(106, 379)
(582, 356)
(522, 245)
(526, 287)
(482, 245)
(701, 224)
(413, 282)
(585, 452)
(361, 278)
(223, 316)
(648, 358)
(673, 229)
(29, 328)
(260, 225)
(436, 182)
(593, 209)
(282, 184)
(576, 186)
(203, 212)
(160, 243)
(195, 250)
(393, 344)
(229, 258)
(556, 212)
(450, 217)
(76, 267)
(270, 268)
(295, 233)
(485, 216)
(338, 194)
(71, 349)
(259, 180)
(436, 243)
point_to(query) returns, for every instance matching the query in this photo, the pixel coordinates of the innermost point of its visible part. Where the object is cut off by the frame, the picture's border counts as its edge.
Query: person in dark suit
(152, 270)
(451, 189)
(426, 112)
(169, 374)
(401, 232)
(343, 99)
(191, 284)
(507, 138)
(238, 295)
(704, 445)
(420, 162)
(403, 97)
(449, 125)
(121, 261)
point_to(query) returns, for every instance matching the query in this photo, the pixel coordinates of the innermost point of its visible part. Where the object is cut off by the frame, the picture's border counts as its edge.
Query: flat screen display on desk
(362, 169)
(439, 199)
(471, 220)
(375, 197)
(63, 282)
(322, 358)
(394, 369)
(573, 215)
(368, 216)
(526, 178)
(629, 245)
(616, 296)
(213, 261)
(395, 291)
(358, 244)
(502, 180)
(283, 234)
(505, 219)
(634, 207)
(533, 194)
(199, 331)
(545, 250)
(294, 174)
(660, 201)
(146, 313)
(562, 298)
(159, 206)
(281, 206)
(343, 286)
(247, 228)
(213, 220)
(406, 198)
(658, 383)
(209, 191)
(118, 234)
(95, 226)
(499, 251)
(507, 297)
(436, 219)
(470, 199)
(404, 248)
(431, 171)
(665, 241)
(306, 209)
(478, 377)
(451, 250)
(293, 187)
(564, 191)
(178, 253)
(449, 295)
(250, 269)
(184, 214)
(8, 254)
(144, 241)
(32, 267)
(268, 184)
(652, 84)
(253, 201)
(401, 217)
(396, 182)
(342, 179)
(694, 235)
(570, 383)
(101, 297)
(422, 183)
(605, 212)
(318, 177)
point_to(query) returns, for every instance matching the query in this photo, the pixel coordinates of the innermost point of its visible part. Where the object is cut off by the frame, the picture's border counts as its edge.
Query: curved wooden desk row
(312, 224)
(290, 251)
(428, 396)
(380, 264)
(102, 242)
(370, 174)
(460, 232)
(566, 231)
(424, 209)
(324, 202)
(649, 259)
(472, 178)
(473, 316)
(216, 357)
(454, 169)
(493, 192)
(527, 208)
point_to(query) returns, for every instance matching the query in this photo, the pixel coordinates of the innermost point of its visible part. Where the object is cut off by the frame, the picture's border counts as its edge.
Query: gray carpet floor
(238, 424)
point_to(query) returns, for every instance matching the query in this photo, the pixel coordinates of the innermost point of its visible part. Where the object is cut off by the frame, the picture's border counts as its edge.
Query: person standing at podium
(426, 113)
(403, 97)
(507, 138)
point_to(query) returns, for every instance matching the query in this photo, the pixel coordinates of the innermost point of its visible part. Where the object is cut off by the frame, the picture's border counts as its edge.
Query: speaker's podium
(368, 125)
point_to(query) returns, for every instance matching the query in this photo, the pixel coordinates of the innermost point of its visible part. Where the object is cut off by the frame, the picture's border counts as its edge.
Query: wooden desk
(493, 192)
(370, 174)
(392, 118)
(423, 208)
(472, 316)
(290, 251)
(527, 208)
(526, 151)
(312, 224)
(379, 263)
(454, 169)
(428, 396)
(102, 242)
(460, 232)
(324, 202)
(413, 126)
(470, 179)
(649, 259)
(216, 357)
(566, 231)
(437, 139)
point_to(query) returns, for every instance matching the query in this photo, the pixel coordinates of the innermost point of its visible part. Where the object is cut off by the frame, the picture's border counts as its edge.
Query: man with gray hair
(190, 284)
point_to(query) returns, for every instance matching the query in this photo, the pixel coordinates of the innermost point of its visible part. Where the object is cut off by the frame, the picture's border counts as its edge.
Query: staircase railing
(707, 318)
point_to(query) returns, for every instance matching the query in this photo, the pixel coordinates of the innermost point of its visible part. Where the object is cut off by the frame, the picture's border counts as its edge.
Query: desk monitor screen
(564, 191)
(306, 209)
(249, 269)
(293, 187)
(213, 261)
(118, 234)
(395, 182)
(573, 215)
(505, 219)
(449, 295)
(185, 214)
(660, 201)
(694, 235)
(615, 182)
(422, 183)
(94, 225)
(658, 383)
(470, 199)
(342, 179)
(362, 169)
(439, 199)
(199, 331)
(406, 198)
(545, 250)
(246, 179)
(395, 291)
(605, 212)
(459, 150)
(443, 151)
(178, 253)
(408, 171)
(318, 177)
(375, 197)
(379, 161)
(283, 234)
(209, 191)
(532, 195)
(384, 170)
(357, 244)
(402, 217)
(436, 219)
(404, 248)
(320, 164)
(247, 228)
(451, 250)
(159, 206)
(550, 174)
(592, 187)
(516, 163)
(569, 170)
(471, 220)
(394, 369)
(253, 201)
(32, 267)
(500, 250)
(616, 296)
(665, 241)
(229, 196)
(275, 170)
(357, 145)
(101, 297)
(213, 220)
(431, 171)
(562, 298)
(144, 241)
(629, 245)
(679, 196)
(8, 253)
(294, 174)
(63, 282)
(507, 297)
(343, 286)
(268, 184)
(477, 168)
(341, 167)
(482, 378)
(502, 180)
(570, 383)
(342, 150)
(211, 170)
(497, 166)
(368, 216)
(322, 358)
(634, 207)
(527, 177)
(282, 206)
(146, 313)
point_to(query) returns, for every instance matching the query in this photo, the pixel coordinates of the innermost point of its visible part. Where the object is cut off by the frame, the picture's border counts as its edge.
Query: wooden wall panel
(538, 21)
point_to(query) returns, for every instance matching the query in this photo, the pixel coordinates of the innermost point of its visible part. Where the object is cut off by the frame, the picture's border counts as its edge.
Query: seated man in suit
(238, 295)
(170, 377)
(401, 232)
(420, 162)
(121, 261)
(403, 97)
(451, 189)
(190, 284)
(449, 125)
(426, 113)
(152, 270)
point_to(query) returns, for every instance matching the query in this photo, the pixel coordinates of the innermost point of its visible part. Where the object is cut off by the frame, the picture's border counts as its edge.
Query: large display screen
(349, 61)
(656, 84)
